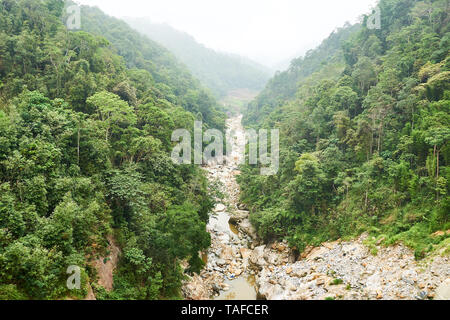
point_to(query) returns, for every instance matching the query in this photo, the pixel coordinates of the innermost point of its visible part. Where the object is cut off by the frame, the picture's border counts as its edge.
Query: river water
(228, 240)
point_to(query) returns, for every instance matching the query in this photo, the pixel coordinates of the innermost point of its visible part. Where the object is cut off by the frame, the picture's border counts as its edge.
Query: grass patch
(336, 282)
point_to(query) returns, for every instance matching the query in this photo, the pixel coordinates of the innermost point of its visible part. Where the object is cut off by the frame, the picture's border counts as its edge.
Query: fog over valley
(267, 31)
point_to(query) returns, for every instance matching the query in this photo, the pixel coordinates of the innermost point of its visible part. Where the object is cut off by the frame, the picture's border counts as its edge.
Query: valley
(239, 266)
(102, 198)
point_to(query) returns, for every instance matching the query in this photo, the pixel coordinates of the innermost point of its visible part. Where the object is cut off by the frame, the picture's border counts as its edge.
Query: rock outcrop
(348, 270)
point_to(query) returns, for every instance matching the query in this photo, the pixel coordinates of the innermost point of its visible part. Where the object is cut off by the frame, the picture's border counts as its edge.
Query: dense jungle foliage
(85, 136)
(365, 125)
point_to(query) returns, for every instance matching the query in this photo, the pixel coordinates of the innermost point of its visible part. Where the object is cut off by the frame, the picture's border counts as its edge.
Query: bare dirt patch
(105, 266)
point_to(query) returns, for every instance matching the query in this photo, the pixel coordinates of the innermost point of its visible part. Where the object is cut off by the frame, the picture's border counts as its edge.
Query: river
(227, 274)
(240, 283)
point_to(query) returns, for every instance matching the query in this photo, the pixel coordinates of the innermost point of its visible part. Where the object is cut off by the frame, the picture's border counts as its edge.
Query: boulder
(196, 289)
(280, 247)
(271, 292)
(245, 253)
(317, 253)
(247, 227)
(331, 245)
(221, 262)
(443, 291)
(409, 276)
(374, 284)
(301, 273)
(242, 206)
(272, 258)
(227, 253)
(220, 207)
(306, 252)
(216, 288)
(238, 216)
(257, 256)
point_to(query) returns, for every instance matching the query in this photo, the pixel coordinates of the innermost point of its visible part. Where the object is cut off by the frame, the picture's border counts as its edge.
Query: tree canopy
(364, 124)
(85, 123)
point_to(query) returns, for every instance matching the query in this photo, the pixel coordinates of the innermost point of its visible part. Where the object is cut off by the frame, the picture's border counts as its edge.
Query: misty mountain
(284, 85)
(221, 72)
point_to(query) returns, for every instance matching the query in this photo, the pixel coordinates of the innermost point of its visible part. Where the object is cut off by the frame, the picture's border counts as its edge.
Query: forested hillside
(218, 71)
(365, 125)
(173, 78)
(283, 86)
(85, 125)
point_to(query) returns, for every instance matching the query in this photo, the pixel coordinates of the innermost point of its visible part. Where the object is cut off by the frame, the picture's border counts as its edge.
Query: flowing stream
(227, 259)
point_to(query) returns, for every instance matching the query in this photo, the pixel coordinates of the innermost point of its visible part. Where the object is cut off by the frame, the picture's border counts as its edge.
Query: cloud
(265, 30)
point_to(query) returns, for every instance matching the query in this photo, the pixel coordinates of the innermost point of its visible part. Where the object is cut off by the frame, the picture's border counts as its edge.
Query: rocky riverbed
(239, 267)
(348, 270)
(227, 274)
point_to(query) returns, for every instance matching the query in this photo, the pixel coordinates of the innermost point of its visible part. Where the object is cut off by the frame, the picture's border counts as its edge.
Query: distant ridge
(220, 72)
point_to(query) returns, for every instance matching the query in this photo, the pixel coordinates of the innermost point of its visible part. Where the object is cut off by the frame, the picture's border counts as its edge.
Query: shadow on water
(243, 287)
(233, 228)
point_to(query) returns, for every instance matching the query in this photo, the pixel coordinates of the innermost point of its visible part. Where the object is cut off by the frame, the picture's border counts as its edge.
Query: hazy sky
(268, 31)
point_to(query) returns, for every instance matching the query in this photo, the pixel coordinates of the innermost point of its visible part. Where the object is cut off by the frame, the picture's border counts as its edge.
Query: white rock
(220, 207)
(443, 291)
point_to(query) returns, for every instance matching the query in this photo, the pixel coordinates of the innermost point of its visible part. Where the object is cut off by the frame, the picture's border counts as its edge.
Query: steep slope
(284, 85)
(220, 72)
(364, 136)
(85, 159)
(142, 53)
